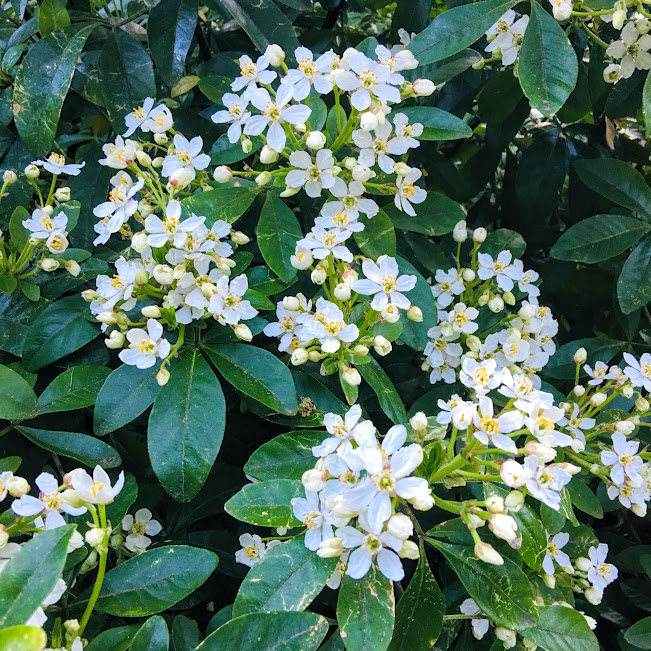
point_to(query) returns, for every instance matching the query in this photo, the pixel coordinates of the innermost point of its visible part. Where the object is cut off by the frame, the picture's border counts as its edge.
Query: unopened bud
(275, 54)
(598, 399)
(17, 486)
(180, 178)
(580, 356)
(415, 314)
(479, 235)
(642, 404)
(618, 19)
(509, 298)
(496, 304)
(163, 376)
(508, 637)
(423, 502)
(110, 318)
(292, 303)
(263, 178)
(49, 264)
(368, 121)
(315, 140)
(625, 426)
(73, 268)
(569, 468)
(390, 313)
(592, 596)
(495, 503)
(314, 480)
(342, 292)
(301, 127)
(62, 194)
(485, 552)
(243, 332)
(578, 390)
(544, 453)
(95, 537)
(330, 548)
(268, 155)
(161, 138)
(89, 295)
(628, 391)
(299, 356)
(151, 312)
(468, 275)
(381, 345)
(9, 177)
(319, 276)
(115, 340)
(352, 377)
(423, 87)
(222, 174)
(503, 526)
(459, 233)
(163, 274)
(514, 501)
(360, 350)
(139, 242)
(409, 550)
(32, 172)
(419, 422)
(145, 159)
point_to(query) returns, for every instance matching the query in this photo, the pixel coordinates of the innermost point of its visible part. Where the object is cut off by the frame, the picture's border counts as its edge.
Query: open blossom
(639, 373)
(145, 346)
(479, 625)
(138, 529)
(448, 285)
(350, 199)
(368, 79)
(170, 229)
(509, 37)
(482, 377)
(597, 374)
(43, 226)
(408, 132)
(284, 327)
(253, 549)
(623, 459)
(116, 211)
(601, 573)
(310, 511)
(342, 429)
(96, 489)
(554, 553)
(56, 164)
(140, 116)
(119, 287)
(379, 147)
(385, 284)
(252, 73)
(119, 154)
(407, 192)
(309, 72)
(328, 242)
(274, 113)
(228, 303)
(631, 50)
(501, 269)
(236, 114)
(545, 482)
(313, 176)
(48, 501)
(494, 429)
(462, 318)
(329, 326)
(187, 155)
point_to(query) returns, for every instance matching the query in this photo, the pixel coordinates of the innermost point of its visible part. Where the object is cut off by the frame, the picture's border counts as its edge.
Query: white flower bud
(415, 314)
(17, 486)
(89, 295)
(73, 268)
(642, 404)
(32, 172)
(592, 596)
(275, 54)
(639, 510)
(562, 11)
(350, 277)
(319, 276)
(390, 313)
(89, 564)
(577, 445)
(292, 303)
(352, 377)
(268, 155)
(598, 399)
(247, 145)
(422, 502)
(302, 259)
(400, 526)
(315, 140)
(163, 376)
(618, 18)
(163, 274)
(330, 548)
(110, 318)
(485, 552)
(423, 87)
(139, 242)
(473, 343)
(527, 312)
(4, 536)
(550, 581)
(342, 292)
(70, 496)
(142, 277)
(514, 501)
(161, 138)
(301, 127)
(496, 304)
(625, 426)
(409, 550)
(62, 194)
(263, 178)
(368, 121)
(628, 391)
(479, 235)
(583, 564)
(569, 468)
(49, 264)
(468, 275)
(299, 356)
(643, 25)
(9, 177)
(360, 350)
(313, 480)
(115, 340)
(578, 390)
(401, 169)
(349, 162)
(503, 526)
(95, 537)
(495, 503)
(382, 345)
(509, 298)
(222, 174)
(419, 422)
(544, 453)
(151, 312)
(362, 174)
(580, 356)
(243, 332)
(459, 233)
(181, 178)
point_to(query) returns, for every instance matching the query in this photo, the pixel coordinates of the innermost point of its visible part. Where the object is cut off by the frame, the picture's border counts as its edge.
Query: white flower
(396, 59)
(440, 349)
(554, 553)
(632, 50)
(139, 528)
(448, 285)
(501, 269)
(598, 374)
(350, 200)
(39, 617)
(309, 73)
(4, 478)
(368, 79)
(577, 424)
(372, 544)
(541, 422)
(139, 117)
(116, 211)
(310, 511)
(629, 494)
(479, 626)
(329, 328)
(623, 460)
(119, 154)
(562, 9)
(503, 25)
(96, 489)
(48, 501)
(228, 303)
(187, 155)
(525, 283)
(302, 258)
(171, 229)
(313, 176)
(342, 429)
(253, 549)
(384, 283)
(343, 220)
(408, 193)
(462, 318)
(43, 226)
(160, 120)
(379, 147)
(509, 42)
(639, 373)
(56, 164)
(491, 429)
(145, 346)
(284, 327)
(612, 73)
(236, 114)
(327, 242)
(274, 114)
(601, 573)
(545, 482)
(252, 74)
(342, 565)
(409, 132)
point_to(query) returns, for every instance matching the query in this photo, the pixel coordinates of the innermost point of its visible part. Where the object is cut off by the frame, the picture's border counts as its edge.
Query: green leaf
(547, 68)
(29, 577)
(560, 628)
(266, 503)
(288, 578)
(646, 105)
(437, 215)
(126, 76)
(42, 84)
(114, 639)
(60, 329)
(152, 636)
(437, 124)
(287, 456)
(8, 284)
(419, 613)
(386, 393)
(598, 238)
(223, 152)
(22, 638)
(514, 609)
(214, 87)
(366, 611)
(584, 499)
(268, 632)
(561, 366)
(30, 289)
(87, 449)
(278, 232)
(186, 635)
(618, 182)
(73, 389)
(456, 29)
(170, 28)
(19, 234)
(378, 237)
(504, 239)
(221, 203)
(639, 634)
(256, 373)
(52, 15)
(17, 398)
(155, 580)
(415, 334)
(186, 427)
(127, 393)
(117, 509)
(634, 282)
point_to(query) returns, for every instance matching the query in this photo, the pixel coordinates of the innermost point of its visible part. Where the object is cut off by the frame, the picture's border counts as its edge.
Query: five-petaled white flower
(509, 41)
(343, 429)
(228, 304)
(236, 114)
(252, 74)
(49, 500)
(379, 147)
(309, 72)
(385, 284)
(601, 573)
(407, 192)
(139, 528)
(631, 49)
(44, 226)
(253, 549)
(140, 117)
(328, 242)
(494, 429)
(448, 285)
(187, 155)
(96, 489)
(350, 200)
(554, 553)
(311, 175)
(639, 373)
(56, 164)
(116, 211)
(145, 346)
(623, 459)
(368, 79)
(501, 269)
(171, 229)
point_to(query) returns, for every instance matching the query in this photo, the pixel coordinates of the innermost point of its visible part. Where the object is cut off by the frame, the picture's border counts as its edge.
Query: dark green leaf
(584, 499)
(386, 393)
(186, 635)
(634, 282)
(16, 315)
(378, 237)
(17, 398)
(19, 234)
(646, 105)
(221, 203)
(504, 239)
(437, 215)
(639, 634)
(560, 628)
(114, 639)
(562, 366)
(437, 124)
(52, 15)
(266, 503)
(73, 389)
(152, 636)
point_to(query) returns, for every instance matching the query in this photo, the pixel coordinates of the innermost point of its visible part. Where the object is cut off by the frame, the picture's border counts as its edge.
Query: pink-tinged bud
(314, 480)
(569, 468)
(223, 174)
(485, 552)
(495, 503)
(503, 526)
(419, 422)
(423, 87)
(17, 486)
(162, 377)
(352, 377)
(543, 452)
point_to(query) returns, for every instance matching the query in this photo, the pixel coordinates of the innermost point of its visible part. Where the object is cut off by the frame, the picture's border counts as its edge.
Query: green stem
(51, 192)
(343, 136)
(593, 36)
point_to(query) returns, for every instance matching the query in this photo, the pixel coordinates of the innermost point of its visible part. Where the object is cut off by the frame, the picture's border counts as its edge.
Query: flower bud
(315, 140)
(592, 596)
(319, 276)
(618, 18)
(313, 480)
(409, 550)
(291, 303)
(268, 155)
(222, 174)
(362, 174)
(415, 314)
(423, 87)
(625, 426)
(275, 54)
(89, 295)
(578, 390)
(642, 404)
(330, 548)
(95, 537)
(503, 526)
(299, 356)
(360, 350)
(382, 345)
(495, 503)
(73, 268)
(628, 390)
(161, 138)
(49, 264)
(468, 275)
(32, 172)
(180, 178)
(247, 145)
(163, 274)
(419, 422)
(562, 11)
(368, 121)
(263, 178)
(139, 242)
(89, 564)
(496, 304)
(243, 332)
(9, 177)
(115, 340)
(342, 292)
(422, 502)
(583, 564)
(527, 312)
(352, 377)
(116, 541)
(158, 161)
(508, 638)
(151, 312)
(479, 235)
(390, 313)
(401, 169)
(70, 496)
(580, 356)
(643, 25)
(163, 376)
(598, 399)
(514, 501)
(62, 194)
(485, 552)
(400, 526)
(569, 468)
(110, 318)
(544, 453)
(17, 486)
(509, 298)
(459, 233)
(639, 510)
(301, 127)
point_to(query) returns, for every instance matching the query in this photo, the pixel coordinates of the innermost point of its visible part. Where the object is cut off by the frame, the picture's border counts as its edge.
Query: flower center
(57, 159)
(248, 70)
(368, 79)
(139, 528)
(232, 300)
(47, 223)
(333, 327)
(139, 113)
(183, 156)
(490, 424)
(117, 195)
(52, 500)
(96, 488)
(389, 283)
(147, 346)
(250, 552)
(271, 111)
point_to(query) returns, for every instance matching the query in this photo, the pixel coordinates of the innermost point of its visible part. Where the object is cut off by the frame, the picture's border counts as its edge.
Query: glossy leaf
(186, 635)
(560, 628)
(152, 636)
(366, 611)
(186, 427)
(155, 580)
(52, 15)
(562, 366)
(437, 124)
(386, 393)
(639, 635)
(22, 638)
(256, 373)
(437, 215)
(221, 203)
(266, 503)
(288, 578)
(378, 237)
(634, 282)
(504, 239)
(17, 398)
(73, 389)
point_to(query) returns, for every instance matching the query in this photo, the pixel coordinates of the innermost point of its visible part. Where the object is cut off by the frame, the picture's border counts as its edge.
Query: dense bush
(325, 326)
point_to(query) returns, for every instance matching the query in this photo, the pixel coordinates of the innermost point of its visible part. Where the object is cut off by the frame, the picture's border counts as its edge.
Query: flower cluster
(505, 37)
(630, 52)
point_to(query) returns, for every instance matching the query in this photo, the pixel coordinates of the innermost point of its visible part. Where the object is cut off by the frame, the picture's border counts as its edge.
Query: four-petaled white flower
(601, 573)
(623, 460)
(171, 229)
(554, 553)
(139, 528)
(407, 192)
(187, 155)
(343, 429)
(56, 164)
(145, 346)
(236, 114)
(385, 284)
